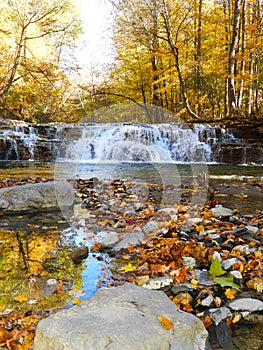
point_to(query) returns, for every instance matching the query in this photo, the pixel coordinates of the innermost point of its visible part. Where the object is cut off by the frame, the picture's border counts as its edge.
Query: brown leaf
(166, 323)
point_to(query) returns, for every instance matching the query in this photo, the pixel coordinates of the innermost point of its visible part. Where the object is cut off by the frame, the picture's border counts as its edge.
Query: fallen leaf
(207, 321)
(167, 324)
(128, 268)
(230, 293)
(21, 298)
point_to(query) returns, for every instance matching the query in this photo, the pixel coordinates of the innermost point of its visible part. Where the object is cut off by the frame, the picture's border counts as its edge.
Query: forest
(199, 59)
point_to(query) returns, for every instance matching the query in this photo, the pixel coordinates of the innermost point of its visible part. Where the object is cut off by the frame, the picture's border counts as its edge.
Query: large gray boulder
(121, 318)
(36, 197)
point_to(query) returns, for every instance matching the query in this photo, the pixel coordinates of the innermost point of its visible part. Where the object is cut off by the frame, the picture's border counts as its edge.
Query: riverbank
(203, 258)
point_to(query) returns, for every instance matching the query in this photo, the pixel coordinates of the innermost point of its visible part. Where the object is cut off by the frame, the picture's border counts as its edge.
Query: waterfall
(196, 143)
(138, 142)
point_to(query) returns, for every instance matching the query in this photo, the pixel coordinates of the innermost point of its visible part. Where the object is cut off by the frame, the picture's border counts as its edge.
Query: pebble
(253, 230)
(159, 283)
(207, 301)
(194, 221)
(237, 274)
(245, 249)
(246, 304)
(228, 263)
(219, 314)
(107, 239)
(150, 226)
(189, 261)
(220, 211)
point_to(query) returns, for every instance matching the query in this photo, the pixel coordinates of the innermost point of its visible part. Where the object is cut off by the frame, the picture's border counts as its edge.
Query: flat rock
(36, 197)
(133, 239)
(150, 226)
(219, 211)
(120, 318)
(246, 304)
(107, 239)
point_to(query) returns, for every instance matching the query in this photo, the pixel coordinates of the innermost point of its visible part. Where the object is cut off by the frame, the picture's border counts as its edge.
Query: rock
(246, 304)
(107, 239)
(253, 230)
(150, 226)
(217, 255)
(189, 261)
(79, 254)
(204, 277)
(120, 318)
(228, 263)
(182, 287)
(194, 221)
(220, 211)
(237, 274)
(245, 249)
(131, 239)
(207, 301)
(219, 314)
(36, 197)
(159, 283)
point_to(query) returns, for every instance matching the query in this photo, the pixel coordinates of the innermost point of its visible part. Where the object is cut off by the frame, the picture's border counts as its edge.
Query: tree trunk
(232, 99)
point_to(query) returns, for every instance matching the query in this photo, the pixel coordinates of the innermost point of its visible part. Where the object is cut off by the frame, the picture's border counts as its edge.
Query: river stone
(253, 230)
(34, 197)
(107, 239)
(150, 226)
(220, 211)
(120, 318)
(133, 239)
(246, 304)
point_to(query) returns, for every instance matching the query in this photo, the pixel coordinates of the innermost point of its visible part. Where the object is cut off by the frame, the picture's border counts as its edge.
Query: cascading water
(150, 143)
(126, 142)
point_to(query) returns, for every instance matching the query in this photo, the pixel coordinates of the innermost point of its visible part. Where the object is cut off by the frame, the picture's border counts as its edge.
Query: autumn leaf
(199, 228)
(207, 321)
(96, 246)
(21, 298)
(216, 268)
(230, 293)
(128, 268)
(166, 323)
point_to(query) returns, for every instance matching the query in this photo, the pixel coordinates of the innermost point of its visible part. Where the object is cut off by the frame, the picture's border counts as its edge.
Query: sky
(96, 49)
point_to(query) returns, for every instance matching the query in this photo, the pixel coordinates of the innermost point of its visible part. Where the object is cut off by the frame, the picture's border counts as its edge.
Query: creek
(164, 154)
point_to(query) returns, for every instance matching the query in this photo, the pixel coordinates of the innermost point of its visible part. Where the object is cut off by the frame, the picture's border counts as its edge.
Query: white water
(148, 143)
(84, 143)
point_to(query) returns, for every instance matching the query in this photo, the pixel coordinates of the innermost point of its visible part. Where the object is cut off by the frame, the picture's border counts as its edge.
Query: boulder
(120, 318)
(36, 197)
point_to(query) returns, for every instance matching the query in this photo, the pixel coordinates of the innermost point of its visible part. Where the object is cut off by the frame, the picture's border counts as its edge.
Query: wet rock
(246, 304)
(220, 211)
(159, 283)
(124, 317)
(133, 239)
(217, 255)
(107, 239)
(79, 254)
(37, 197)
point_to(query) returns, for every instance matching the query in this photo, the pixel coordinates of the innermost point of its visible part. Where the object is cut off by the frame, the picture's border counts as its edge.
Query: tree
(34, 35)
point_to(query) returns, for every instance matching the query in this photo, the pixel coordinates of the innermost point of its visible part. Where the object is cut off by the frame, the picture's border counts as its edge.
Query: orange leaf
(230, 293)
(207, 321)
(96, 246)
(199, 228)
(167, 324)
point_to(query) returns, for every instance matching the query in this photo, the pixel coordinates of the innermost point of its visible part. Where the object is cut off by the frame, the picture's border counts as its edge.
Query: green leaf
(216, 268)
(226, 281)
